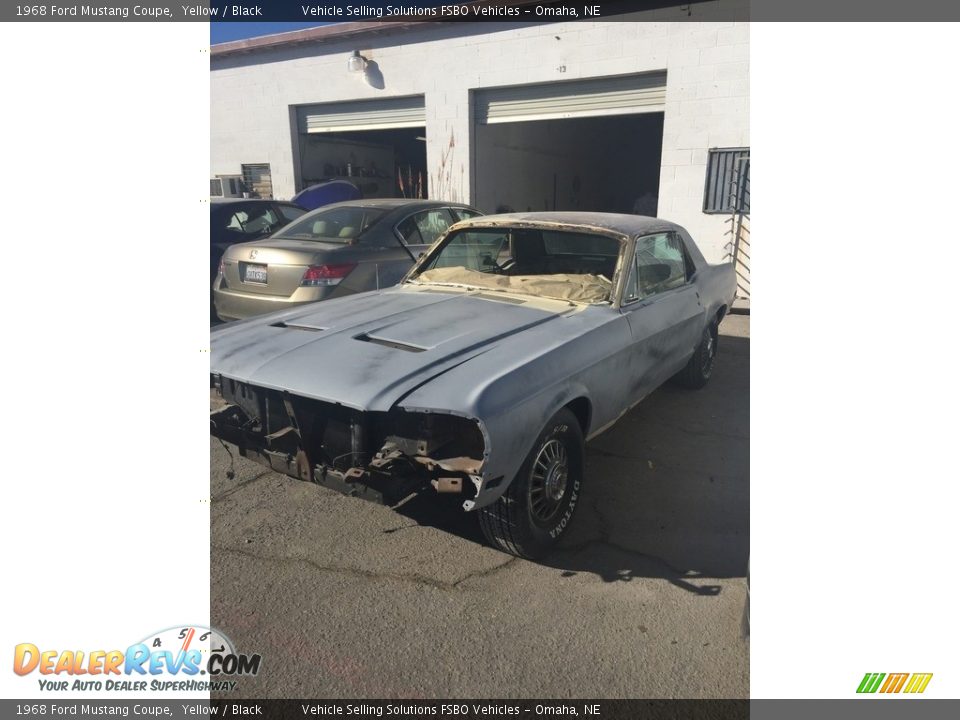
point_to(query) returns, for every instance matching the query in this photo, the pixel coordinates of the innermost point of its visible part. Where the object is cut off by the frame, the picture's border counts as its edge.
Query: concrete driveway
(644, 599)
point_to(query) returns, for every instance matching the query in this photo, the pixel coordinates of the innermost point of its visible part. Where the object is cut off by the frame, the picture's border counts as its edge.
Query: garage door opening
(379, 146)
(602, 164)
(589, 145)
(382, 163)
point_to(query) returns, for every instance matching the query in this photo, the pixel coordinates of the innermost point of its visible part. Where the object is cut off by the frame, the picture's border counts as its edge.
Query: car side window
(409, 232)
(432, 224)
(660, 264)
(289, 212)
(261, 221)
(424, 227)
(236, 221)
(254, 221)
(463, 214)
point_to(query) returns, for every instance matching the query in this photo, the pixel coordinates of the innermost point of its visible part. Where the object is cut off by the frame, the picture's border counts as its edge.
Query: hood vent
(290, 326)
(389, 343)
(501, 297)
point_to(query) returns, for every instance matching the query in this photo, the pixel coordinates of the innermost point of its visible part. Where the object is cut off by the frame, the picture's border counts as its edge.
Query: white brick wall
(707, 94)
(707, 106)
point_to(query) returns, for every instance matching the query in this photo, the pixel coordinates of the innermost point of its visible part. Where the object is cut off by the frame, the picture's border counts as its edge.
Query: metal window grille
(256, 179)
(727, 187)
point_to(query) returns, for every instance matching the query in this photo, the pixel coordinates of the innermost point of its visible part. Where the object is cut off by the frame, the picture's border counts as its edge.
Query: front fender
(509, 436)
(513, 391)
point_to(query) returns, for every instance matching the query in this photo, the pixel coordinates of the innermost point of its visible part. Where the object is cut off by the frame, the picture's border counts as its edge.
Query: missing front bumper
(380, 457)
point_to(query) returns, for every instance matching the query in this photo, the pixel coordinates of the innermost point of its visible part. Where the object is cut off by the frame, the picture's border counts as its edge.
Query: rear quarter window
(463, 214)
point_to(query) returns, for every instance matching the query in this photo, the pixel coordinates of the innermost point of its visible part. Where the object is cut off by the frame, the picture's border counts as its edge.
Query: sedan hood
(369, 351)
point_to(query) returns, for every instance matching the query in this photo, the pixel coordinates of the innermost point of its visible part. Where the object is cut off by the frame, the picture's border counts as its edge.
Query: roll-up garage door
(616, 95)
(384, 114)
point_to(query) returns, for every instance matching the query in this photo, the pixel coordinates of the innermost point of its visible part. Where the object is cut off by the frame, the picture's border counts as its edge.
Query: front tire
(537, 507)
(700, 367)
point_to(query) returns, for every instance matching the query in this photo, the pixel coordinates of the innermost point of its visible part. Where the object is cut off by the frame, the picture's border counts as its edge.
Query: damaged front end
(379, 456)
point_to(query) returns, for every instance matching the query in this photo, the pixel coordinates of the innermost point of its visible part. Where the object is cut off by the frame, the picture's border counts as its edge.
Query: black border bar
(479, 10)
(873, 708)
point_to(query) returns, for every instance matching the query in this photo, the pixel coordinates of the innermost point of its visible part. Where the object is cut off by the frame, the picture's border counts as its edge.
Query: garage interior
(592, 145)
(379, 146)
(603, 164)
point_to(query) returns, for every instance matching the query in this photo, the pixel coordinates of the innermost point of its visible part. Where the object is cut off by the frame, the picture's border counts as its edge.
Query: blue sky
(226, 31)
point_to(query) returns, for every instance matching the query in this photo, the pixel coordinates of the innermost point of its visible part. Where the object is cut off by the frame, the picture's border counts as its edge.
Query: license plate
(255, 274)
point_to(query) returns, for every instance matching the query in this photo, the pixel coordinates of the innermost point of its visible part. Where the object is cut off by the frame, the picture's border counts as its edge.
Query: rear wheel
(700, 367)
(536, 508)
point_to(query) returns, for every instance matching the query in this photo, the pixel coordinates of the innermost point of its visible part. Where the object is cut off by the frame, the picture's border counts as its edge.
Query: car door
(416, 233)
(662, 306)
(384, 255)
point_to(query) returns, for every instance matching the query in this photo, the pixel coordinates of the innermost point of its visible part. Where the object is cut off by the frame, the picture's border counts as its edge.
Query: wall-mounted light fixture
(356, 63)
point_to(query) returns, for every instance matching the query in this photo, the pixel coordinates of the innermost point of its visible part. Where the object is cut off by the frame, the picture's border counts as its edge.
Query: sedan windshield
(548, 263)
(342, 224)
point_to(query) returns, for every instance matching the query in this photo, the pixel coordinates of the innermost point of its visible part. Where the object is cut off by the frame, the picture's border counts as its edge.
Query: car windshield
(557, 264)
(343, 224)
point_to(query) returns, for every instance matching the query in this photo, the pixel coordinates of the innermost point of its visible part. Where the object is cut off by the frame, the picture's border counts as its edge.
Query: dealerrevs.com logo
(183, 658)
(911, 683)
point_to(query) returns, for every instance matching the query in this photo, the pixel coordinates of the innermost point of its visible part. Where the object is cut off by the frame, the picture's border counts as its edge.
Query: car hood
(368, 351)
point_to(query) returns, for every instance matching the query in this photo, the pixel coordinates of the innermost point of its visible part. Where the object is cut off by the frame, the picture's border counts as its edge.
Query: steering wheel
(495, 268)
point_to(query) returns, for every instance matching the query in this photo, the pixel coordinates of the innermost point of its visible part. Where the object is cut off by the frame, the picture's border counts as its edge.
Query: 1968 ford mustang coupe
(510, 342)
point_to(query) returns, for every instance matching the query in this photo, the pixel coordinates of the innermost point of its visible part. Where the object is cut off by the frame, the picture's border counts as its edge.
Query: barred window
(727, 187)
(256, 179)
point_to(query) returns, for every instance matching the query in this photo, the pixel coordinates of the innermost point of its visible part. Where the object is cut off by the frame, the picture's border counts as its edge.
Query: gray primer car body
(505, 364)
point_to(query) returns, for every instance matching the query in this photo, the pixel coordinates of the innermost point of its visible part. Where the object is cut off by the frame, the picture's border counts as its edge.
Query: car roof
(229, 201)
(393, 203)
(224, 205)
(617, 222)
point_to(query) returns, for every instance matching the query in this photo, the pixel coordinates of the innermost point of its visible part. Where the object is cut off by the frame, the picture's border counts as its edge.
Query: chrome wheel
(538, 505)
(548, 480)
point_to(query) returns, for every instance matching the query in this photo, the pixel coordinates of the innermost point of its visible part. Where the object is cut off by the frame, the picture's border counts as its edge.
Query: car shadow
(666, 492)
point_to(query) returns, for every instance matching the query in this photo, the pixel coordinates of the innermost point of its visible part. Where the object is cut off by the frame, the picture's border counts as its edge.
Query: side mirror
(420, 255)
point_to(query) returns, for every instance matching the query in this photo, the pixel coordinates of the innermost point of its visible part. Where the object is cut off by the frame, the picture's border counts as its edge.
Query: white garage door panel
(362, 115)
(621, 95)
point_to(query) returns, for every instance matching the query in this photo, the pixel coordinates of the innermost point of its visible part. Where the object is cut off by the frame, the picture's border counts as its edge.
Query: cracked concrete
(368, 574)
(643, 598)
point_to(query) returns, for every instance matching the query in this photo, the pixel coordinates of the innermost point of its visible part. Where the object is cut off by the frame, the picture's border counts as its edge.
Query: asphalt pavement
(643, 599)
